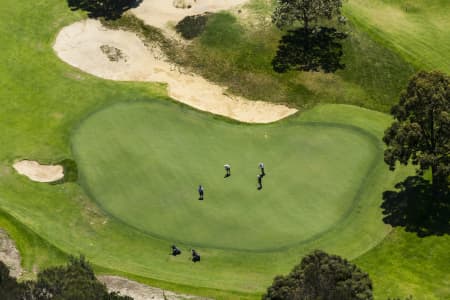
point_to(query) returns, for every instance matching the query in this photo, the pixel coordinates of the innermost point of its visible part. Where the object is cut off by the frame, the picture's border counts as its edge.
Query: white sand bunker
(83, 45)
(140, 291)
(37, 172)
(160, 13)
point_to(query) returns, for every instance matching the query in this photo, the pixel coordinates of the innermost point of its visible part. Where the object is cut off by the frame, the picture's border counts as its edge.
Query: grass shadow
(417, 208)
(70, 171)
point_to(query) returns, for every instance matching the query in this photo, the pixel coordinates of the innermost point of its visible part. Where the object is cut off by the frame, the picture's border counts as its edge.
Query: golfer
(195, 256)
(200, 192)
(175, 250)
(261, 166)
(228, 170)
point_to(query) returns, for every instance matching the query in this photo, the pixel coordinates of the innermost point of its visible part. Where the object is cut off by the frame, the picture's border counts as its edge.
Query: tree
(321, 276)
(74, 281)
(192, 26)
(10, 289)
(287, 12)
(308, 49)
(109, 9)
(420, 134)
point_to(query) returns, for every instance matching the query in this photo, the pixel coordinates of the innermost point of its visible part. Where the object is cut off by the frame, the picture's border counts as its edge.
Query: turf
(417, 30)
(77, 225)
(412, 266)
(44, 99)
(142, 162)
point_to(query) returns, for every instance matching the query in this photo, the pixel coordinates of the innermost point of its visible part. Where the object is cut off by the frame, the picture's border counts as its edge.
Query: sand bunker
(140, 291)
(9, 254)
(161, 13)
(83, 45)
(37, 172)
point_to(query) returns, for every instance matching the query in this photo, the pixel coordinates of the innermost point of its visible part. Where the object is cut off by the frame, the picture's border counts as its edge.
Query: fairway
(143, 163)
(417, 30)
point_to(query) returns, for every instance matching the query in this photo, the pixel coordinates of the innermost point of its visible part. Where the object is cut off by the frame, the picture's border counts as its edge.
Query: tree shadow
(317, 49)
(108, 9)
(417, 207)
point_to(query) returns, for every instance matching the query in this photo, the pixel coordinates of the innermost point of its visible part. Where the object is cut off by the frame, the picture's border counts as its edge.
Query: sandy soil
(37, 172)
(9, 254)
(81, 44)
(140, 291)
(163, 13)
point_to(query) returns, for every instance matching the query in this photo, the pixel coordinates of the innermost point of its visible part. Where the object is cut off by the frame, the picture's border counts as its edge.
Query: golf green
(143, 163)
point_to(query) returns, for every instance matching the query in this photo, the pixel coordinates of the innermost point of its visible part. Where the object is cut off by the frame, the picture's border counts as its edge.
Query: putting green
(142, 163)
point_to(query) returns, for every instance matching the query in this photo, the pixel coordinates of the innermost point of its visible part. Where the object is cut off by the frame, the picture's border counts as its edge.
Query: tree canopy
(308, 48)
(74, 281)
(321, 276)
(287, 12)
(420, 134)
(109, 9)
(10, 289)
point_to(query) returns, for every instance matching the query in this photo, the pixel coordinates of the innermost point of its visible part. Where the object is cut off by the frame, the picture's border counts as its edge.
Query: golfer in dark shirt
(200, 192)
(195, 256)
(175, 250)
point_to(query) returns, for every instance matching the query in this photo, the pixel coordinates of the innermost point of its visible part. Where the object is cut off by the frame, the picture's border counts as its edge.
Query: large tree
(308, 48)
(420, 134)
(10, 289)
(287, 12)
(321, 276)
(74, 281)
(109, 9)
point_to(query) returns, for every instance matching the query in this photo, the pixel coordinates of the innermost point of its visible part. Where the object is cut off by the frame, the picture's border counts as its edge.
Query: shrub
(192, 26)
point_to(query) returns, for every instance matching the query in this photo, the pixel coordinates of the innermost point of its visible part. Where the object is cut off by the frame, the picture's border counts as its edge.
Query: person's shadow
(111, 10)
(417, 207)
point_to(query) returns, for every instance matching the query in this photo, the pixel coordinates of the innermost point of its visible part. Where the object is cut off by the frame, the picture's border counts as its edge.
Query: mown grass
(417, 30)
(35, 252)
(43, 99)
(311, 180)
(405, 265)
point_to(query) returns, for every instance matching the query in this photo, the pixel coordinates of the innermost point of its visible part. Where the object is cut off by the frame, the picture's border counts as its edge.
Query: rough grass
(238, 54)
(232, 52)
(417, 30)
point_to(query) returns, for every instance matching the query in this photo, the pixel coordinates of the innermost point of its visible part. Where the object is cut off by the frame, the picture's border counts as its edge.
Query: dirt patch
(183, 3)
(113, 53)
(140, 291)
(37, 172)
(80, 44)
(9, 254)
